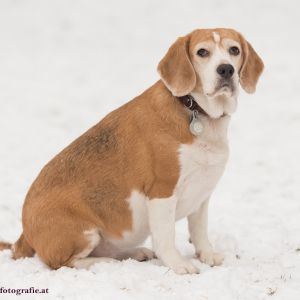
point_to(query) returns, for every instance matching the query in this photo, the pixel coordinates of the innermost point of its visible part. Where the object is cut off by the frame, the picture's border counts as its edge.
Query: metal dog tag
(196, 126)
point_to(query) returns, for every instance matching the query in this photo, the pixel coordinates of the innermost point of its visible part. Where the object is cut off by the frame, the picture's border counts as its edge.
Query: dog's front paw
(184, 267)
(210, 258)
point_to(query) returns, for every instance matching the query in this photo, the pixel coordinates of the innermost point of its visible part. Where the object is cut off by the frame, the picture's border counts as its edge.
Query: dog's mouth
(223, 87)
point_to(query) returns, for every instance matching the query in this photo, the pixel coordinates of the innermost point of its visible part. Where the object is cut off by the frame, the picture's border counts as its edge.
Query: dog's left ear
(251, 69)
(176, 69)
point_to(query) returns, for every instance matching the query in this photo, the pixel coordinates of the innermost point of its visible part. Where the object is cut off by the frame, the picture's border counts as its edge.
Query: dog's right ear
(176, 69)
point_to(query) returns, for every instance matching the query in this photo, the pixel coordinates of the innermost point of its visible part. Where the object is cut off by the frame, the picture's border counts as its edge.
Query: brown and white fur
(140, 169)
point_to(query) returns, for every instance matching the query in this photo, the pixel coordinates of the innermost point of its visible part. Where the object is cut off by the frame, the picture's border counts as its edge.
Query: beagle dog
(147, 164)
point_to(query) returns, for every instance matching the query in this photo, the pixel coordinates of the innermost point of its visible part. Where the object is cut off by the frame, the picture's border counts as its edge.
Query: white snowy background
(65, 64)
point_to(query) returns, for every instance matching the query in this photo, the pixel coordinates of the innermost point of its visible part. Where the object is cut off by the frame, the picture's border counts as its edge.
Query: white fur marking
(216, 37)
(140, 228)
(93, 239)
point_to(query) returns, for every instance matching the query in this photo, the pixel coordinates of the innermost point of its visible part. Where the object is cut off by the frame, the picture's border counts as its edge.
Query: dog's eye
(203, 52)
(234, 50)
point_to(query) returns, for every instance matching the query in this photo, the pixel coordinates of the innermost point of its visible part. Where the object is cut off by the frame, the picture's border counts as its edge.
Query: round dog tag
(196, 126)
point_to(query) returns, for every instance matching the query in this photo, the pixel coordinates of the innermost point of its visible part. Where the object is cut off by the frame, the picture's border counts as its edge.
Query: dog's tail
(20, 248)
(4, 245)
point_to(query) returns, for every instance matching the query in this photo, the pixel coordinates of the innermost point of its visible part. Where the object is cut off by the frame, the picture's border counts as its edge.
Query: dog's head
(209, 64)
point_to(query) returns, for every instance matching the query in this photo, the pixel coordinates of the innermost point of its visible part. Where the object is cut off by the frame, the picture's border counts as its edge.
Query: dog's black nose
(225, 70)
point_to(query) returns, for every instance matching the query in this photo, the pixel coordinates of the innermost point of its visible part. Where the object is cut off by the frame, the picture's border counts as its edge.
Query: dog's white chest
(202, 164)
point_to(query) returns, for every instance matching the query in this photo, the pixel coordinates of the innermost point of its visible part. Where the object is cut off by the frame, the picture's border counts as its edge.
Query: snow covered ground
(65, 64)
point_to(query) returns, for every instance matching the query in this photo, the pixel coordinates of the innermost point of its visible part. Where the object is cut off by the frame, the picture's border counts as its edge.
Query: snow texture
(65, 64)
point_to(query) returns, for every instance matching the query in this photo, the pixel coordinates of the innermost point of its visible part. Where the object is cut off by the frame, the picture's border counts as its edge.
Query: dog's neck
(178, 116)
(189, 102)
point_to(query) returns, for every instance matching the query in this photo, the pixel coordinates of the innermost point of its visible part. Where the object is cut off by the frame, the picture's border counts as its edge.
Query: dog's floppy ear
(251, 69)
(176, 69)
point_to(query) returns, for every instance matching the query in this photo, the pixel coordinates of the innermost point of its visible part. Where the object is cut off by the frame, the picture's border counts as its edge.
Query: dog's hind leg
(107, 249)
(139, 254)
(81, 260)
